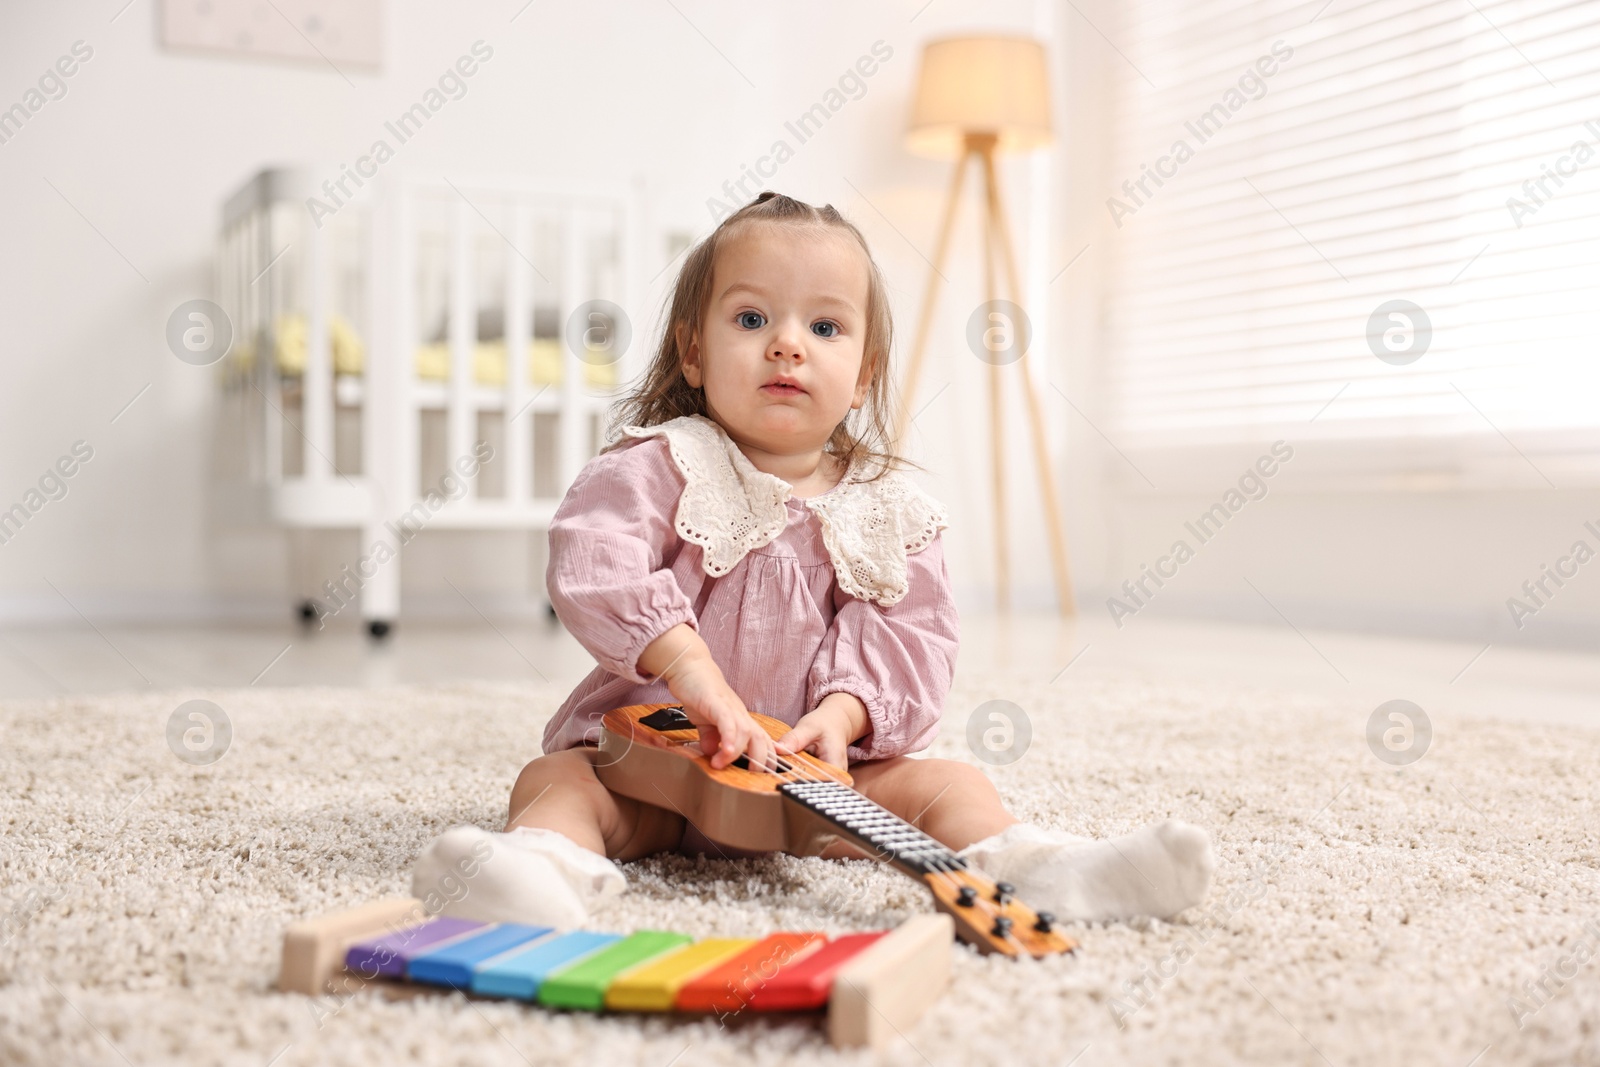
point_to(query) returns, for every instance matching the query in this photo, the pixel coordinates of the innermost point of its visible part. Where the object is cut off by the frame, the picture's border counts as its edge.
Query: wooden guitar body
(651, 752)
(734, 806)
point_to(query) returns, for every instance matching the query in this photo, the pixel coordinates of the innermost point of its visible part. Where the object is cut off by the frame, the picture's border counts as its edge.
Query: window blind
(1283, 175)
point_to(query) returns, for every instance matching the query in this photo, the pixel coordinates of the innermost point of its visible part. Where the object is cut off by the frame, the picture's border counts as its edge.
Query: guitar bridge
(667, 720)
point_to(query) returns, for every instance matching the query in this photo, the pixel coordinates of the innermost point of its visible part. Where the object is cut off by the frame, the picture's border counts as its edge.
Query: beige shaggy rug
(1443, 913)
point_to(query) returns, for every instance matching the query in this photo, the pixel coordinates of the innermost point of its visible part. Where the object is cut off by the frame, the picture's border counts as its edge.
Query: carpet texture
(1442, 913)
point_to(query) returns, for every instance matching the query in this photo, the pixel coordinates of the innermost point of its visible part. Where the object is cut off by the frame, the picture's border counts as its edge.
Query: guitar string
(802, 769)
(939, 869)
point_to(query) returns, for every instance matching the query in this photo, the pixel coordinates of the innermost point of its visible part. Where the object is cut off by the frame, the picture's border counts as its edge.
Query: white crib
(423, 323)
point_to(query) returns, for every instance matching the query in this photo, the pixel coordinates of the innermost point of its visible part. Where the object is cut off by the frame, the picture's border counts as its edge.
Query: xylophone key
(805, 984)
(520, 973)
(453, 965)
(654, 986)
(388, 956)
(729, 986)
(583, 985)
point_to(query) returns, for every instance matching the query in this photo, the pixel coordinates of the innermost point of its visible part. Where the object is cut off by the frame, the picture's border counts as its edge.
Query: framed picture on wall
(339, 33)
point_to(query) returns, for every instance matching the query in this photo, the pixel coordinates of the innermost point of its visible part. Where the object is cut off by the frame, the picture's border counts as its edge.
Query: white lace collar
(729, 507)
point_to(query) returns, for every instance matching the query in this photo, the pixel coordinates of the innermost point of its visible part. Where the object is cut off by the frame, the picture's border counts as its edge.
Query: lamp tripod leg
(1002, 551)
(1041, 452)
(930, 297)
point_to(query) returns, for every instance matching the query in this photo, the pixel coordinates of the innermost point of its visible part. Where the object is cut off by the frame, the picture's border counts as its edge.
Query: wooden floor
(996, 652)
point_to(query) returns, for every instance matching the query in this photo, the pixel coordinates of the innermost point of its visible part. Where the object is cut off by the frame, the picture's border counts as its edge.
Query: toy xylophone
(870, 984)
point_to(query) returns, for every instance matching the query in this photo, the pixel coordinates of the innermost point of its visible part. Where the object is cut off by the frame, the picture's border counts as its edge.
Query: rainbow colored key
(730, 985)
(455, 963)
(388, 956)
(520, 973)
(805, 984)
(583, 984)
(655, 985)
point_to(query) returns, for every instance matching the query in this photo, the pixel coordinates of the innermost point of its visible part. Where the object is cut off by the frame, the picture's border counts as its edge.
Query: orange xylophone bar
(871, 984)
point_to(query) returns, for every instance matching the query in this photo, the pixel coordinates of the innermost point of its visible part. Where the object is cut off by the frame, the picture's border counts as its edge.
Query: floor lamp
(978, 97)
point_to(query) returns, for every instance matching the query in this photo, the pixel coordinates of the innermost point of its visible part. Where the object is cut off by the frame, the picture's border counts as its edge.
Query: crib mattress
(431, 361)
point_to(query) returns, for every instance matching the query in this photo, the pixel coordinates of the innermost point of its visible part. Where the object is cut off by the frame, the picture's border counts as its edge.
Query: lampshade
(992, 85)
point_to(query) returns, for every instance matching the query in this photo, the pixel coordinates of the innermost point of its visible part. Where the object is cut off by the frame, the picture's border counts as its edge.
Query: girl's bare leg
(552, 863)
(561, 792)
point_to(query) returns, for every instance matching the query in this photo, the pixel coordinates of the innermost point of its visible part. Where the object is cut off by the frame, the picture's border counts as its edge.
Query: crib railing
(278, 268)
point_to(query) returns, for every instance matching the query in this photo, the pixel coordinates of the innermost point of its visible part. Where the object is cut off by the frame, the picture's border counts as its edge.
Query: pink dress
(846, 591)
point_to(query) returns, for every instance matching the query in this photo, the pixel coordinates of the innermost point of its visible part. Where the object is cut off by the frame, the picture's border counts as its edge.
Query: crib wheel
(378, 628)
(307, 611)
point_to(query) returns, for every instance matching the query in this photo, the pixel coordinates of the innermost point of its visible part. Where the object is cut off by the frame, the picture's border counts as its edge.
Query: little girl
(750, 543)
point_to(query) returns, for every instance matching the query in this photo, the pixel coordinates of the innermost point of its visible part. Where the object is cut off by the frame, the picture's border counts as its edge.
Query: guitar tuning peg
(1002, 927)
(1045, 922)
(1003, 892)
(966, 896)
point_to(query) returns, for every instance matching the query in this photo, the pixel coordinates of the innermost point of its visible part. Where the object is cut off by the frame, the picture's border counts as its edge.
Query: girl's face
(780, 353)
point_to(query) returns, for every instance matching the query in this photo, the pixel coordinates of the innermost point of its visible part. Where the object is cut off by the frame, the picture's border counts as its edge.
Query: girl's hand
(680, 658)
(828, 731)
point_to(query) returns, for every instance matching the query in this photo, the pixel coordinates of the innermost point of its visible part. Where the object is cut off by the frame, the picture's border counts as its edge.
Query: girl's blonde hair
(663, 394)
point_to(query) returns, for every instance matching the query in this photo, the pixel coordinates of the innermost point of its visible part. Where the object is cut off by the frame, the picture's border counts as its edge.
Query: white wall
(114, 196)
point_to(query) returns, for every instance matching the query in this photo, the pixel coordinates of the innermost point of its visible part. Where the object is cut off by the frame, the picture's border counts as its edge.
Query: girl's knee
(561, 791)
(569, 772)
(937, 774)
(964, 774)
(913, 783)
(569, 765)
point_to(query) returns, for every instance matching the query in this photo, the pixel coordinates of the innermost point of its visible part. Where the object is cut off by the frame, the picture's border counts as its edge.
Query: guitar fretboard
(874, 827)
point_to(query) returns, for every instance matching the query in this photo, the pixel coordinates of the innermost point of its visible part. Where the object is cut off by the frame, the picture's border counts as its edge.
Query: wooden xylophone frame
(881, 991)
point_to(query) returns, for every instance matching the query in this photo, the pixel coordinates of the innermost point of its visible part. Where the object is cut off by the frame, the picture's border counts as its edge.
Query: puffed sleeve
(899, 661)
(611, 544)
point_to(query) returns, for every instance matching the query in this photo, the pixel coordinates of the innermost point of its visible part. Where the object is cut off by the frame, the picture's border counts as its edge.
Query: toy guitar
(650, 752)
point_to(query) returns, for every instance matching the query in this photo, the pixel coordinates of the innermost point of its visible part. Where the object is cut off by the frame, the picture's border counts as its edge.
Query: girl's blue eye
(832, 329)
(746, 316)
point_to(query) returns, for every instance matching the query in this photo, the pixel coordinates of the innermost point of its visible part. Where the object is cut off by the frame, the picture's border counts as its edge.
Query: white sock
(1157, 871)
(527, 875)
